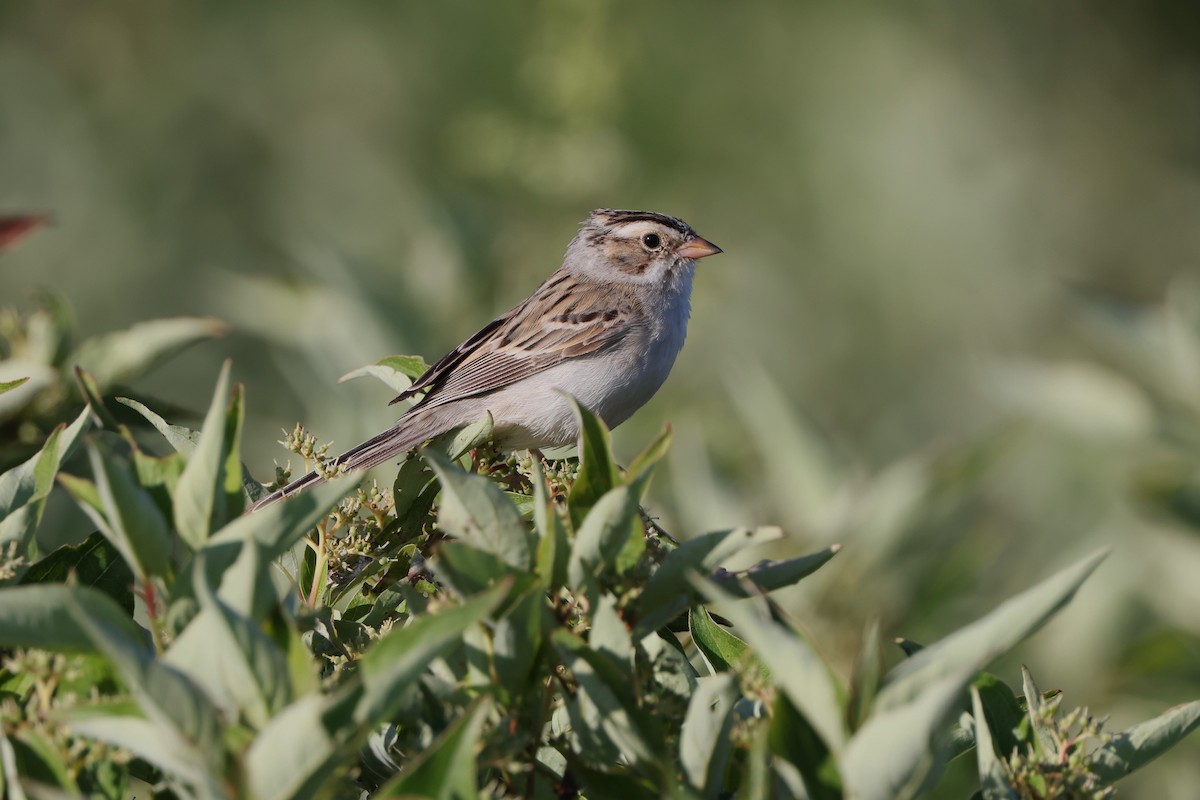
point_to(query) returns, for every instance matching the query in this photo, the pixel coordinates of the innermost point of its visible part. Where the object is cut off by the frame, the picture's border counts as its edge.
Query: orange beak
(697, 248)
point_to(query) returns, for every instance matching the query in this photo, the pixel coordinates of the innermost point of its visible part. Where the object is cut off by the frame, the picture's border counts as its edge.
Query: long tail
(406, 434)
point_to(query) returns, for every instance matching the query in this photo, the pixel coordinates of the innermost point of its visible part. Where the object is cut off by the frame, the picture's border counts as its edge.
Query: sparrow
(604, 328)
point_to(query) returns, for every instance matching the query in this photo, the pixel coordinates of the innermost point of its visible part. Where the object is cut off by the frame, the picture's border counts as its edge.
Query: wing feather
(565, 318)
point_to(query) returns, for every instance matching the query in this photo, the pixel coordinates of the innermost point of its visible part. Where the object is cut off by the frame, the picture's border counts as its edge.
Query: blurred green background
(955, 327)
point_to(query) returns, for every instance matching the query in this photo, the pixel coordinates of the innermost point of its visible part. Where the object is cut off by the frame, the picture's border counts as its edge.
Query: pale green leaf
(199, 495)
(182, 439)
(410, 366)
(151, 742)
(602, 534)
(253, 668)
(294, 755)
(397, 660)
(797, 670)
(890, 756)
(1135, 747)
(669, 588)
(603, 711)
(396, 381)
(122, 355)
(598, 473)
(971, 648)
(164, 694)
(475, 510)
(297, 754)
(992, 778)
(134, 521)
(28, 484)
(6, 386)
(723, 651)
(772, 575)
(446, 769)
(644, 461)
(705, 740)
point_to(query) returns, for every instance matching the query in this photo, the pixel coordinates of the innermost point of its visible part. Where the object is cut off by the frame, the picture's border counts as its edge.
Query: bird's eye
(652, 241)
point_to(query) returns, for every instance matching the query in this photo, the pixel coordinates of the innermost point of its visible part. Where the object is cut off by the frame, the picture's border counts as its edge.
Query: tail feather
(404, 435)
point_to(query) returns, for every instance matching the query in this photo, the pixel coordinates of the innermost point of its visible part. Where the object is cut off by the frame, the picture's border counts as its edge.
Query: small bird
(605, 328)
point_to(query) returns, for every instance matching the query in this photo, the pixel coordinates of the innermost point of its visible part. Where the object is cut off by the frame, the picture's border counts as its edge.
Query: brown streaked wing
(561, 320)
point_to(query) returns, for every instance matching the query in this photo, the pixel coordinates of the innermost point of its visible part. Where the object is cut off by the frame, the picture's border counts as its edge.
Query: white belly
(534, 413)
(612, 384)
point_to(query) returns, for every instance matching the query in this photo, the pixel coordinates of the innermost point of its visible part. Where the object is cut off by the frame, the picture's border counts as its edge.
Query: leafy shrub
(486, 625)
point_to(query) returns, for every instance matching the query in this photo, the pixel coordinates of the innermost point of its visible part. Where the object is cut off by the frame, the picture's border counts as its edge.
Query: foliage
(484, 625)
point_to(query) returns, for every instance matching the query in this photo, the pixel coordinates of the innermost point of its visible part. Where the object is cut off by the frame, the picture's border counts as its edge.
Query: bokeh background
(956, 327)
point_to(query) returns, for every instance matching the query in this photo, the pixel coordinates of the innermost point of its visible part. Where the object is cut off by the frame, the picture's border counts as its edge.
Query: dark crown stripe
(617, 215)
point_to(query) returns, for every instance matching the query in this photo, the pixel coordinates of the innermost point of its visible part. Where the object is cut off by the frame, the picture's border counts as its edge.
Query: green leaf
(248, 586)
(274, 530)
(296, 753)
(397, 660)
(37, 616)
(6, 386)
(723, 651)
(475, 510)
(610, 638)
(182, 439)
(971, 648)
(456, 443)
(254, 671)
(602, 534)
(84, 492)
(276, 527)
(300, 750)
(797, 670)
(120, 356)
(644, 461)
(890, 756)
(148, 740)
(37, 758)
(865, 677)
(467, 569)
(93, 395)
(410, 366)
(1001, 710)
(1137, 746)
(603, 711)
(756, 774)
(553, 546)
(598, 473)
(200, 495)
(668, 591)
(992, 778)
(705, 740)
(446, 769)
(794, 739)
(131, 519)
(165, 695)
(772, 575)
(59, 617)
(395, 372)
(517, 640)
(1041, 737)
(94, 562)
(410, 491)
(24, 488)
(235, 498)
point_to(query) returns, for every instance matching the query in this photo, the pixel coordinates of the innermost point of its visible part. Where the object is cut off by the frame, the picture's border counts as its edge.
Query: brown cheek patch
(634, 265)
